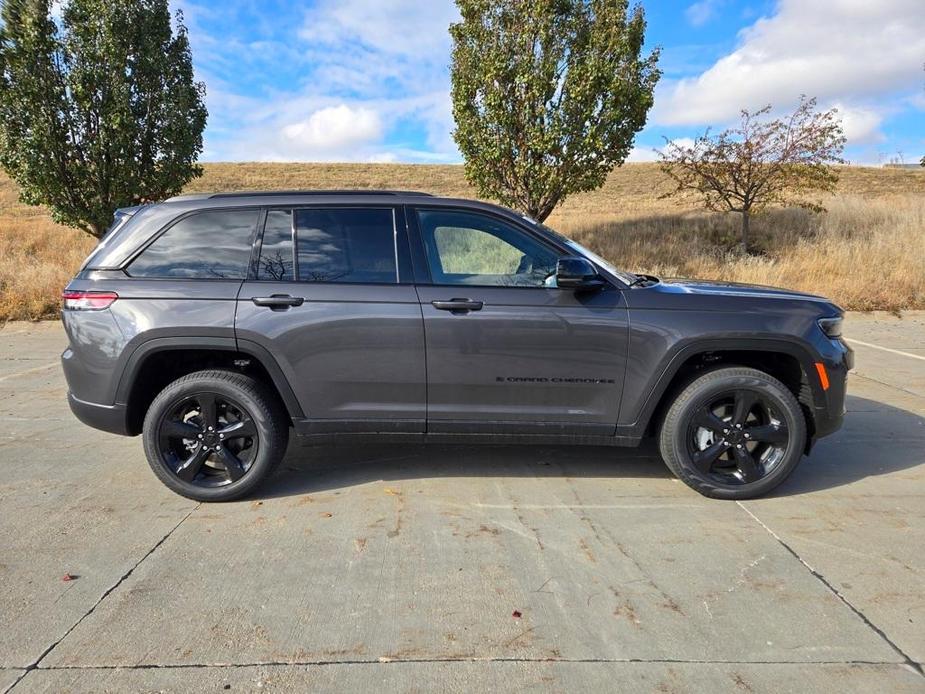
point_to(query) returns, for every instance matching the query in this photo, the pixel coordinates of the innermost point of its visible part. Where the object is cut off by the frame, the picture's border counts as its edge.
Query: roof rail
(277, 193)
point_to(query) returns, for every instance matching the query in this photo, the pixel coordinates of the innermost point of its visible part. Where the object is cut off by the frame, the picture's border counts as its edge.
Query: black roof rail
(278, 193)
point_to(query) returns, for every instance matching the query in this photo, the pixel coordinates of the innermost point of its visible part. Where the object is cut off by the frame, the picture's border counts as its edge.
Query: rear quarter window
(214, 244)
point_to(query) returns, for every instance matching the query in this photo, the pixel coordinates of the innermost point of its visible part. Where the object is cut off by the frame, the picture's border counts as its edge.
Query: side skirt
(309, 435)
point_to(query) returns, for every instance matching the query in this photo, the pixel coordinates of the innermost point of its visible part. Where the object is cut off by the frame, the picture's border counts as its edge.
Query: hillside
(875, 224)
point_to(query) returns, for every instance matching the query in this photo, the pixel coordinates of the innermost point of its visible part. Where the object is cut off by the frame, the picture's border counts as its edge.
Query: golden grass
(867, 252)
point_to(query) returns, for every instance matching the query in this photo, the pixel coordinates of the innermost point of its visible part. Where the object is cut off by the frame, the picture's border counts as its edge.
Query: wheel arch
(789, 362)
(160, 361)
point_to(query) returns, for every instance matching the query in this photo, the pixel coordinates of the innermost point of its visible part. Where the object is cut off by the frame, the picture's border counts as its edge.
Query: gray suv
(218, 325)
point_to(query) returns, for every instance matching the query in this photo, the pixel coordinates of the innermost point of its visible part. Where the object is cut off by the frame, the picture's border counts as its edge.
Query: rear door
(331, 297)
(507, 351)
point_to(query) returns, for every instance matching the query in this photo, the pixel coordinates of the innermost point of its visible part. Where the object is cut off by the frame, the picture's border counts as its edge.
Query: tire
(754, 453)
(215, 435)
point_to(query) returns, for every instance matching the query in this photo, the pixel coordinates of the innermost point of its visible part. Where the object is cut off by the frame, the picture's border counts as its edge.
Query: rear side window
(275, 262)
(205, 245)
(346, 245)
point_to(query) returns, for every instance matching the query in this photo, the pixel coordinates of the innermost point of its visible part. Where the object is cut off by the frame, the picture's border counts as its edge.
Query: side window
(346, 245)
(275, 261)
(205, 245)
(468, 248)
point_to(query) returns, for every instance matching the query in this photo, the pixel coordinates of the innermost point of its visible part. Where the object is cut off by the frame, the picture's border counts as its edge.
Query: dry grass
(867, 252)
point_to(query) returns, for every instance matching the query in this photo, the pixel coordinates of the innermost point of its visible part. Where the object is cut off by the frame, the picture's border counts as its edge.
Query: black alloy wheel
(733, 433)
(208, 440)
(215, 435)
(737, 437)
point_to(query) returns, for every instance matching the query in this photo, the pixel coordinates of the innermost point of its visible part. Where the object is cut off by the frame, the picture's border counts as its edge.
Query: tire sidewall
(698, 394)
(171, 396)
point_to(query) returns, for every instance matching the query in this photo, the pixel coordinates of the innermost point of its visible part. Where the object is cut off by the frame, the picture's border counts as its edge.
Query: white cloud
(343, 80)
(334, 128)
(398, 27)
(701, 12)
(861, 125)
(847, 52)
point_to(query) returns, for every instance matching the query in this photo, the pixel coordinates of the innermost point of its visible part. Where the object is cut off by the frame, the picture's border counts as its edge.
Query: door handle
(278, 302)
(458, 305)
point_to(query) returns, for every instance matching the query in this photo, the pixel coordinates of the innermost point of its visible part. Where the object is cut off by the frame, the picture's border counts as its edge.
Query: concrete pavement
(461, 568)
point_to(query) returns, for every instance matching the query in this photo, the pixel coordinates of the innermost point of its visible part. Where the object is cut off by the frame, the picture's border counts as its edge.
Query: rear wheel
(214, 435)
(733, 433)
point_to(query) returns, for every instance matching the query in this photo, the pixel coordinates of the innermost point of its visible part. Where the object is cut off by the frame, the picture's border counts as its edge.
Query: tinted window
(346, 245)
(206, 245)
(467, 248)
(275, 261)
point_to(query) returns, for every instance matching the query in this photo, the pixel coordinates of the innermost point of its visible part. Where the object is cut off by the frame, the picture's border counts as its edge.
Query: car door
(332, 299)
(508, 351)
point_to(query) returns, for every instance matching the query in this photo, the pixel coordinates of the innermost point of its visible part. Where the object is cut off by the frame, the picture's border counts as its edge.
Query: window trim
(127, 263)
(419, 237)
(392, 209)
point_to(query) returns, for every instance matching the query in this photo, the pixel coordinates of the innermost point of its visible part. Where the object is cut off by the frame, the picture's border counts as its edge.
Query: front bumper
(829, 413)
(111, 418)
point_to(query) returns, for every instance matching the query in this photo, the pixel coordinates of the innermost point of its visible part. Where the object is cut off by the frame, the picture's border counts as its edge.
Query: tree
(547, 95)
(99, 110)
(761, 162)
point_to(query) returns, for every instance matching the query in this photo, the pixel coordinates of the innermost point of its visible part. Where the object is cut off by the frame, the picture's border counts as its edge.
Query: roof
(297, 193)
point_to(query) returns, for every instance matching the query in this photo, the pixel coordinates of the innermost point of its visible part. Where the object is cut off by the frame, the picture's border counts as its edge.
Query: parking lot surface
(463, 568)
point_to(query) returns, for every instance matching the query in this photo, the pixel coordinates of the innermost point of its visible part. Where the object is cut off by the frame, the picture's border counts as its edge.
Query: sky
(369, 80)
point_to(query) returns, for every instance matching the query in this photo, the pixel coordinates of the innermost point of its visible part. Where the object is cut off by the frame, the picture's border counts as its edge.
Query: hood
(717, 288)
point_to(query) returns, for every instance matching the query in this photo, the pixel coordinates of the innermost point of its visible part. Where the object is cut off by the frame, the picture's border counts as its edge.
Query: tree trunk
(746, 217)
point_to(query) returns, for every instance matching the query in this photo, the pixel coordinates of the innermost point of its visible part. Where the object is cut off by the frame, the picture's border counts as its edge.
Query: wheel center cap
(210, 439)
(734, 437)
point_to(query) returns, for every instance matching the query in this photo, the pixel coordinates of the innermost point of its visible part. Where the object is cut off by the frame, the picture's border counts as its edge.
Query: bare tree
(760, 163)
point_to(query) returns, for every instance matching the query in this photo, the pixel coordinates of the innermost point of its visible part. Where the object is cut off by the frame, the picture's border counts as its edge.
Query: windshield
(626, 277)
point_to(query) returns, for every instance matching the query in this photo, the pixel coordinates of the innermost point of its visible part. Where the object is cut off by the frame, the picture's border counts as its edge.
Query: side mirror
(577, 273)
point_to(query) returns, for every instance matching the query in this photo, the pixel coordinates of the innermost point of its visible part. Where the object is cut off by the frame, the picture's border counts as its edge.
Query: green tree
(548, 95)
(760, 163)
(98, 110)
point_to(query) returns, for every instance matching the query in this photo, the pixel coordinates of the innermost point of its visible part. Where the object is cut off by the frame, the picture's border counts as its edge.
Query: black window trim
(393, 209)
(126, 264)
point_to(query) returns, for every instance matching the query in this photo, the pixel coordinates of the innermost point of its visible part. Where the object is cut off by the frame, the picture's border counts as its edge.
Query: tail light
(79, 300)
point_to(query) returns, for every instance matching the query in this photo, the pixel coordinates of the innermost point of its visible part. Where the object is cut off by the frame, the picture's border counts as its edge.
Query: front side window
(346, 245)
(205, 245)
(474, 249)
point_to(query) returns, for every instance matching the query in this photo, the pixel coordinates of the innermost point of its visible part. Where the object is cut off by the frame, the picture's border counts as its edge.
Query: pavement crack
(469, 659)
(908, 661)
(36, 664)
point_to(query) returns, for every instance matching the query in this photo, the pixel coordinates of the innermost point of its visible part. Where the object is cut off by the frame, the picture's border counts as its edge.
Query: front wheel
(733, 433)
(214, 435)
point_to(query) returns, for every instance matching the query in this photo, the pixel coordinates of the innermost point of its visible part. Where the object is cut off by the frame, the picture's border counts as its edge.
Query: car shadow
(852, 454)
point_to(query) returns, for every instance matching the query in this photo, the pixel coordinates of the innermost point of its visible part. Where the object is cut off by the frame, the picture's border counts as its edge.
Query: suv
(216, 325)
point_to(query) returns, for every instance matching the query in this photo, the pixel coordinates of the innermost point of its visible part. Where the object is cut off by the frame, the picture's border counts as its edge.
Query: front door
(332, 299)
(507, 351)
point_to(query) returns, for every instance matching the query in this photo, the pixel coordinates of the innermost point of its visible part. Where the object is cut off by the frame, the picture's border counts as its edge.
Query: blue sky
(368, 80)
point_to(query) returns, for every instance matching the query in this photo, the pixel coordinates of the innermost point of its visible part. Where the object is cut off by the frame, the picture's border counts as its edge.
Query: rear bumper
(111, 418)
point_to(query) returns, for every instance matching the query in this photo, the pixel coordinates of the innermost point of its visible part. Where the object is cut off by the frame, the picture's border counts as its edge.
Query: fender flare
(670, 365)
(226, 344)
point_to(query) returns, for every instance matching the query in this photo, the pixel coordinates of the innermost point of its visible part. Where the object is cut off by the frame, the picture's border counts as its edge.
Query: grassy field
(867, 252)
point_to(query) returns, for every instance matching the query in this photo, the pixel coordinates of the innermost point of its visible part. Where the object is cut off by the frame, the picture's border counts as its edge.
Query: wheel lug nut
(738, 445)
(221, 436)
(725, 431)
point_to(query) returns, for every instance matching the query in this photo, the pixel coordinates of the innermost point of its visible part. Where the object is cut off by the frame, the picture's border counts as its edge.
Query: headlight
(831, 326)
